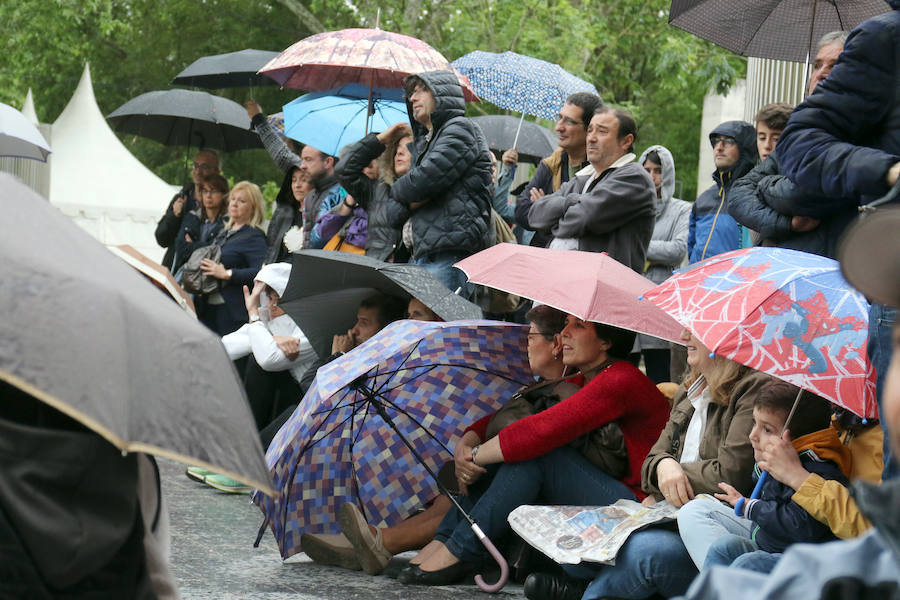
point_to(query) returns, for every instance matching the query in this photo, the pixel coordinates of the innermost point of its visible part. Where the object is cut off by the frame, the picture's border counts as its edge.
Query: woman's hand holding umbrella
(467, 472)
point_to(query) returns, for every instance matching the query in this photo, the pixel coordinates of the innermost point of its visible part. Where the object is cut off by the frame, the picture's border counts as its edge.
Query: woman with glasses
(201, 225)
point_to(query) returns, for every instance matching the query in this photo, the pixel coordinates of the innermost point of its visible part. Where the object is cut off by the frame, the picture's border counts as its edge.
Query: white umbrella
(19, 137)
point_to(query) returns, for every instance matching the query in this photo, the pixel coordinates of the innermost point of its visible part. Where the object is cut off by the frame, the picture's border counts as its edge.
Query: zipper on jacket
(716, 217)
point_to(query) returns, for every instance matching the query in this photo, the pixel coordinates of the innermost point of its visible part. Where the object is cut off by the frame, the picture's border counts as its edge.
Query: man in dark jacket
(206, 163)
(711, 229)
(609, 206)
(842, 146)
(569, 158)
(448, 187)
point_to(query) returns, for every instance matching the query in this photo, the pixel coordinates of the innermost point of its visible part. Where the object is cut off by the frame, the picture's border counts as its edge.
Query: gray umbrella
(186, 118)
(85, 333)
(326, 288)
(235, 69)
(535, 142)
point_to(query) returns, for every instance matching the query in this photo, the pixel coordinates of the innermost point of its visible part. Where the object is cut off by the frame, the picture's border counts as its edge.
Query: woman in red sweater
(530, 460)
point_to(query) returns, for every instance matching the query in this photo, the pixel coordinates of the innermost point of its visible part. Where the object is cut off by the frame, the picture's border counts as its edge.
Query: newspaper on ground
(572, 534)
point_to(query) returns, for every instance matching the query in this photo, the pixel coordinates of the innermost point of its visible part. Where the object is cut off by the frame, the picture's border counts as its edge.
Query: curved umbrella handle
(491, 588)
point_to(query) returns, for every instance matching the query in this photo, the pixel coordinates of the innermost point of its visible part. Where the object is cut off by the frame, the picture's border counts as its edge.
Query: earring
(555, 356)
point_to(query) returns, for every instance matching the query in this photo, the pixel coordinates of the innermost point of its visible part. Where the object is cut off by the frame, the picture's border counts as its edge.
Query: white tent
(97, 182)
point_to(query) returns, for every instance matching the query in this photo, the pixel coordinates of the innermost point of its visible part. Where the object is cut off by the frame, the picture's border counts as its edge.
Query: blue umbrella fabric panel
(433, 380)
(330, 120)
(520, 83)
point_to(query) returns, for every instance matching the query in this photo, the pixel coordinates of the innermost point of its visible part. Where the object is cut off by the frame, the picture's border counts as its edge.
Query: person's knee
(697, 510)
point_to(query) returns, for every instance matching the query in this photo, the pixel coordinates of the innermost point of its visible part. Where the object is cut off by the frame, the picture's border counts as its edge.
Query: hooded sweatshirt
(712, 230)
(450, 174)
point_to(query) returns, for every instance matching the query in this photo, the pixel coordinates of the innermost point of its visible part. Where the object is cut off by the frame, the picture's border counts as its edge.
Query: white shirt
(700, 399)
(258, 338)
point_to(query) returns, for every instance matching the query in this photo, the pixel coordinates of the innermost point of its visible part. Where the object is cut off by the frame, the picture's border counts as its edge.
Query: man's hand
(893, 174)
(178, 205)
(187, 238)
(781, 460)
(388, 134)
(251, 299)
(253, 108)
(673, 482)
(290, 346)
(731, 495)
(537, 194)
(510, 157)
(803, 224)
(343, 343)
(214, 269)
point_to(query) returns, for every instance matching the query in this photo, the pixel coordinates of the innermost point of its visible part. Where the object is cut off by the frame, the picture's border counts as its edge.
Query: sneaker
(197, 473)
(369, 548)
(332, 549)
(226, 484)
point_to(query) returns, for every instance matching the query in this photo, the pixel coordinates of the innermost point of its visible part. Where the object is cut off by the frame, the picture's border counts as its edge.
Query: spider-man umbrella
(782, 312)
(412, 388)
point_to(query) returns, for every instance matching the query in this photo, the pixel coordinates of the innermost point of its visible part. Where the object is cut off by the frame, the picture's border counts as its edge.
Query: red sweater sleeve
(480, 426)
(602, 400)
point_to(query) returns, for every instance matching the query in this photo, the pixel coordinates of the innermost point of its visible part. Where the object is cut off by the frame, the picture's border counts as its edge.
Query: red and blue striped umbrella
(782, 312)
(432, 379)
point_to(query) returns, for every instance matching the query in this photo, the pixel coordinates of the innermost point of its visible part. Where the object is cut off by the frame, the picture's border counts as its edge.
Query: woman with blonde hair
(243, 246)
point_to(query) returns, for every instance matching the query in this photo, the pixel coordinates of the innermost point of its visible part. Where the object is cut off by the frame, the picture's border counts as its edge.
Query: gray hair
(832, 37)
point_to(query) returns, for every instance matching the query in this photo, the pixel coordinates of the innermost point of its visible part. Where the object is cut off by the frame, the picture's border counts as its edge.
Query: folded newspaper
(571, 534)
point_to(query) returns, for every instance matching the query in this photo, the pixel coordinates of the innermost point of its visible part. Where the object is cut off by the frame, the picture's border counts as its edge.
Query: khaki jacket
(725, 451)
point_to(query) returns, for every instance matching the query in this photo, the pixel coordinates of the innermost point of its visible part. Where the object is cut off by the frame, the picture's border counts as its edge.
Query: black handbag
(193, 279)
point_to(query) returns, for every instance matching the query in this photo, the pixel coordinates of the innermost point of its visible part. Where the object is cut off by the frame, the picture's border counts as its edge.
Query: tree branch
(304, 14)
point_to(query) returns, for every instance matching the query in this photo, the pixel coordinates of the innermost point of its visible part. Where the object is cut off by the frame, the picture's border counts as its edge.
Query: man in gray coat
(610, 206)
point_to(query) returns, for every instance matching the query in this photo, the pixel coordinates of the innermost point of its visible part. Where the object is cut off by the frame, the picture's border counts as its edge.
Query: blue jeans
(440, 264)
(881, 324)
(562, 476)
(758, 560)
(704, 521)
(652, 561)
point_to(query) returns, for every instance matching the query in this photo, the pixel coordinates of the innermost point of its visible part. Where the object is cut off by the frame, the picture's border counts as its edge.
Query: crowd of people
(612, 415)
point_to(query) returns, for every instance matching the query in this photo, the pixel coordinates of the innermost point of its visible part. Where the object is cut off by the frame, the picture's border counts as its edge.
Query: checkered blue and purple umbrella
(432, 379)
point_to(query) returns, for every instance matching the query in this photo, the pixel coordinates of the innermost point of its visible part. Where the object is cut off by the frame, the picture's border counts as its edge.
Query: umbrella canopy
(326, 287)
(534, 142)
(783, 312)
(19, 137)
(590, 285)
(85, 333)
(371, 57)
(431, 379)
(330, 120)
(776, 29)
(158, 274)
(521, 83)
(234, 69)
(186, 118)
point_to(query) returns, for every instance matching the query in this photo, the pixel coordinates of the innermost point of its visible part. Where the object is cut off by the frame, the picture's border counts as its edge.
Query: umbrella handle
(491, 588)
(757, 490)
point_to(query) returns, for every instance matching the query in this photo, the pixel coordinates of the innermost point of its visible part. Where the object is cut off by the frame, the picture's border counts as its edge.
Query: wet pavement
(213, 556)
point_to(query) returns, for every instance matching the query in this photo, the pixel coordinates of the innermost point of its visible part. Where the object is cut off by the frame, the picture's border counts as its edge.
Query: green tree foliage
(624, 47)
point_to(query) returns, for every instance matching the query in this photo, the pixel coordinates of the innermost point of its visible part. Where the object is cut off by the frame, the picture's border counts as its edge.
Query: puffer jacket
(285, 215)
(668, 244)
(842, 140)
(450, 173)
(712, 230)
(764, 200)
(386, 215)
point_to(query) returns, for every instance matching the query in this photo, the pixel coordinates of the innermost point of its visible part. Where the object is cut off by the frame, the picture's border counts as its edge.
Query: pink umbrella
(589, 285)
(371, 57)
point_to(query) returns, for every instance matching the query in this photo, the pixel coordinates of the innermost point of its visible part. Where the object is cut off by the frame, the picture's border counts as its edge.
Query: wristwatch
(254, 318)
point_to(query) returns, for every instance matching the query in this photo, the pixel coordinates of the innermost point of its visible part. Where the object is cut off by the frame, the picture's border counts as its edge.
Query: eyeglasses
(203, 167)
(724, 139)
(567, 121)
(209, 191)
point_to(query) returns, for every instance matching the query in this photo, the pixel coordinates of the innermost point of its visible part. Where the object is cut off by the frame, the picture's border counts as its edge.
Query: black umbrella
(776, 29)
(535, 142)
(235, 69)
(85, 333)
(326, 287)
(186, 118)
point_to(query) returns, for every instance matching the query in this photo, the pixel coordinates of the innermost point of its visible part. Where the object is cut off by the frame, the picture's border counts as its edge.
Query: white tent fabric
(98, 183)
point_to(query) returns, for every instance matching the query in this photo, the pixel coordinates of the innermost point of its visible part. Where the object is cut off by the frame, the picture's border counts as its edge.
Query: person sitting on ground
(666, 252)
(704, 442)
(534, 456)
(201, 226)
(243, 251)
(714, 534)
(611, 205)
(385, 215)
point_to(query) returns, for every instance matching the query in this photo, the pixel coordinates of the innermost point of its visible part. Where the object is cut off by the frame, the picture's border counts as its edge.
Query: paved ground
(213, 556)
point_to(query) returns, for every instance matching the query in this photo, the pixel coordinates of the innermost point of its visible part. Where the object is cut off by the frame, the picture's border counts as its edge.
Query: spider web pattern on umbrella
(432, 378)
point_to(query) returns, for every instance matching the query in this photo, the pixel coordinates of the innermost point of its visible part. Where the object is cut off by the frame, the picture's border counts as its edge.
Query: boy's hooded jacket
(712, 230)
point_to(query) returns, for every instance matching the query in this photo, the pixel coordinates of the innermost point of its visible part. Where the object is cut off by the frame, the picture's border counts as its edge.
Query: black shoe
(413, 575)
(542, 586)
